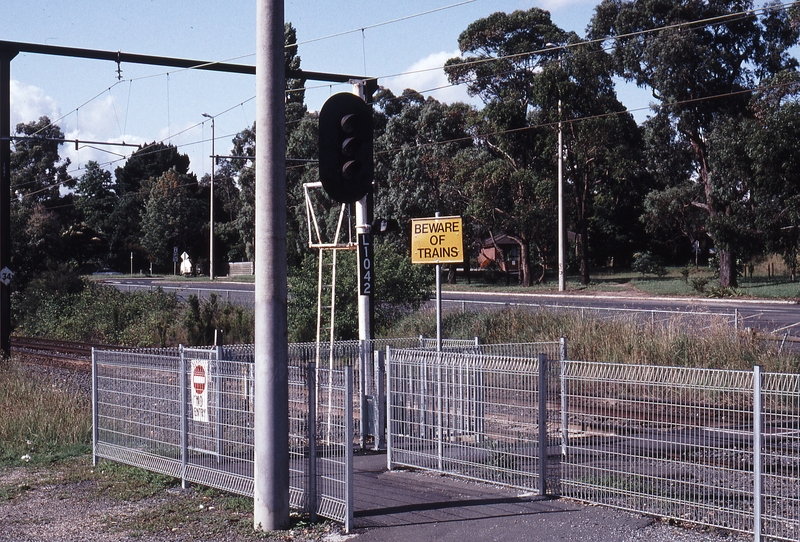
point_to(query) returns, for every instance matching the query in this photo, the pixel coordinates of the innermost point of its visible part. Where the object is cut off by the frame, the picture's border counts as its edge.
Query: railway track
(67, 354)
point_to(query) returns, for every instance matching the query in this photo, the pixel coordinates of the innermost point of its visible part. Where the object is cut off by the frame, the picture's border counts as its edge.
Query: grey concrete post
(271, 431)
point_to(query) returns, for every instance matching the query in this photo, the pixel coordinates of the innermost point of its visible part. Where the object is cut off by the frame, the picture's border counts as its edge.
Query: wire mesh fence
(671, 442)
(713, 447)
(476, 416)
(192, 417)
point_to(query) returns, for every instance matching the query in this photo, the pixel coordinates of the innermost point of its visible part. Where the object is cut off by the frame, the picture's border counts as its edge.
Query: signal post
(345, 171)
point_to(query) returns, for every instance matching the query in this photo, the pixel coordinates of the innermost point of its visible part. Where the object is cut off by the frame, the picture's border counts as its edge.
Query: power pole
(271, 416)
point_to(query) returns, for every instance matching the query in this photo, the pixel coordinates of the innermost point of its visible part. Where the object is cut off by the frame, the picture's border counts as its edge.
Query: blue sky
(162, 104)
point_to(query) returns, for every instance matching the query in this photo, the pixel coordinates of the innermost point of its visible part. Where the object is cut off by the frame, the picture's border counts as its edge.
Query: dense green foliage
(59, 304)
(401, 288)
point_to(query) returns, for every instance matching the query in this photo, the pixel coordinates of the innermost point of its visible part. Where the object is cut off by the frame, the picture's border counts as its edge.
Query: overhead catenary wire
(721, 19)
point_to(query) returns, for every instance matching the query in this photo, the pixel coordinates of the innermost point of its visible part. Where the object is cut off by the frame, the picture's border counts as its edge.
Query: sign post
(437, 240)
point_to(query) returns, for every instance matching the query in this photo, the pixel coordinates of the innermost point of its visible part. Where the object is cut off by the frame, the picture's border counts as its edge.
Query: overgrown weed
(679, 342)
(42, 420)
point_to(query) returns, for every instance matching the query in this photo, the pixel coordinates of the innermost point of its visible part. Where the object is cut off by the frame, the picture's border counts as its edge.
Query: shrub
(647, 264)
(699, 284)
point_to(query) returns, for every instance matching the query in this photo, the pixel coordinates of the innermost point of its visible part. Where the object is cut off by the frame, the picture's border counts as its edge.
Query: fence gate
(489, 418)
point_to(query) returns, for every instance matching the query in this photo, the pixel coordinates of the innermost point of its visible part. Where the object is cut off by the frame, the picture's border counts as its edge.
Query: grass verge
(43, 420)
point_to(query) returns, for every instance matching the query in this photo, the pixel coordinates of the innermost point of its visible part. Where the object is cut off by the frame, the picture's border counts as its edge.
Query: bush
(647, 264)
(699, 284)
(77, 309)
(676, 343)
(400, 288)
(203, 318)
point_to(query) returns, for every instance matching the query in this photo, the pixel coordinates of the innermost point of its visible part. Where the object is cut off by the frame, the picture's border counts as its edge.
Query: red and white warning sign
(199, 375)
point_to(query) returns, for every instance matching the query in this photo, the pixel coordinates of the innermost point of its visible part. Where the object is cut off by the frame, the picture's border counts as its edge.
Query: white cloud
(29, 102)
(427, 76)
(95, 121)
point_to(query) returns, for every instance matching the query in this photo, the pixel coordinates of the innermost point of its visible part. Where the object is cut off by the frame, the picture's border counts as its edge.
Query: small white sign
(199, 383)
(6, 275)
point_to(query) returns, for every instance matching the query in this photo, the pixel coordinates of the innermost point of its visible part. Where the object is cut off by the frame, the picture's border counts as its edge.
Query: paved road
(764, 315)
(236, 292)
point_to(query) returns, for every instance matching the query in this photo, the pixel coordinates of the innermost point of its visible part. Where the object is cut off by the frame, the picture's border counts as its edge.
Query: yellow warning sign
(437, 240)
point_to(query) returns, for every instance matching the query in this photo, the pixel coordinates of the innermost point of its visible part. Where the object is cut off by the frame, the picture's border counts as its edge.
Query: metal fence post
(311, 380)
(94, 408)
(348, 441)
(389, 407)
(379, 402)
(758, 441)
(562, 343)
(542, 424)
(439, 413)
(184, 417)
(219, 408)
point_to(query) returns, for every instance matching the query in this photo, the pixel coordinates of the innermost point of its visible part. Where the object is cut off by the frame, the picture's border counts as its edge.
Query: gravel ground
(52, 505)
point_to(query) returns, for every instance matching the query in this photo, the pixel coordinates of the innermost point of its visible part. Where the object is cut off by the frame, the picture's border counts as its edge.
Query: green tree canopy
(701, 60)
(536, 80)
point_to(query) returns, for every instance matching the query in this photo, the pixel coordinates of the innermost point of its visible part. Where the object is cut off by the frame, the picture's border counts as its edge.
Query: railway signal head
(345, 147)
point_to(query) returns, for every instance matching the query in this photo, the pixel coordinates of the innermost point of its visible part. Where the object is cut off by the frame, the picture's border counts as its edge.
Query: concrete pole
(211, 202)
(271, 431)
(5, 197)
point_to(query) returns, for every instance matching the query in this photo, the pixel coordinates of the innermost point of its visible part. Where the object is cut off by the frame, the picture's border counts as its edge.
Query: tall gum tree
(700, 60)
(531, 74)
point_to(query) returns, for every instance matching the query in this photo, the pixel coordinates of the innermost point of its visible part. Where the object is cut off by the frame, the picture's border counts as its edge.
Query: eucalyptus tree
(132, 183)
(415, 151)
(536, 80)
(96, 201)
(418, 151)
(239, 172)
(775, 164)
(37, 171)
(173, 217)
(701, 60)
(41, 213)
